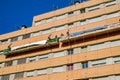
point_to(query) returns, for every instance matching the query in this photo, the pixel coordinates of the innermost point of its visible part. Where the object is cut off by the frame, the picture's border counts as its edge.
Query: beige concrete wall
(80, 74)
(77, 58)
(92, 55)
(43, 37)
(3, 58)
(68, 9)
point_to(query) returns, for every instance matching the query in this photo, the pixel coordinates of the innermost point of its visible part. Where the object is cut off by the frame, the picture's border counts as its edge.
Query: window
(115, 43)
(84, 65)
(70, 25)
(60, 28)
(49, 19)
(70, 14)
(84, 49)
(97, 46)
(82, 10)
(43, 57)
(32, 59)
(14, 39)
(59, 54)
(58, 69)
(112, 15)
(46, 31)
(113, 2)
(30, 74)
(5, 77)
(19, 75)
(26, 36)
(8, 63)
(116, 59)
(21, 61)
(0, 65)
(36, 33)
(70, 67)
(70, 51)
(42, 72)
(95, 19)
(83, 22)
(61, 16)
(37, 23)
(4, 41)
(94, 7)
(99, 62)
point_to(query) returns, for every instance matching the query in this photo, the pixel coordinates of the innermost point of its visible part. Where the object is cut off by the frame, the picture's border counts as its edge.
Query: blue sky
(20, 12)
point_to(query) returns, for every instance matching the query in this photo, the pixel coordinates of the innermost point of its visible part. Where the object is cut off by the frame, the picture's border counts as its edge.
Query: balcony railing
(92, 31)
(30, 46)
(39, 44)
(52, 40)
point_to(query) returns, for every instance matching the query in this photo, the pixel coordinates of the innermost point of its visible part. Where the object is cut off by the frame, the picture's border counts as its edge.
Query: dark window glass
(21, 61)
(8, 63)
(0, 65)
(26, 36)
(70, 24)
(14, 39)
(84, 49)
(5, 77)
(111, 4)
(82, 10)
(70, 13)
(103, 63)
(43, 57)
(70, 51)
(30, 74)
(84, 64)
(118, 61)
(32, 59)
(4, 41)
(70, 67)
(19, 75)
(83, 21)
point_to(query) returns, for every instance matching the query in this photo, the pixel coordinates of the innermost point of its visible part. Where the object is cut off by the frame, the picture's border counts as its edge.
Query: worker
(61, 35)
(68, 33)
(49, 37)
(9, 47)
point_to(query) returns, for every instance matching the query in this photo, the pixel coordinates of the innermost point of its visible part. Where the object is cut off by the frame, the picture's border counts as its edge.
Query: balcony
(50, 41)
(93, 31)
(55, 41)
(52, 62)
(32, 46)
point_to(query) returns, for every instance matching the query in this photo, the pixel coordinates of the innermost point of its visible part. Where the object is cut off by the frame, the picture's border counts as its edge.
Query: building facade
(79, 42)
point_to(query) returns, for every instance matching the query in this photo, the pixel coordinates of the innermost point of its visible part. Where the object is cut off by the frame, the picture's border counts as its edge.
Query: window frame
(84, 65)
(25, 36)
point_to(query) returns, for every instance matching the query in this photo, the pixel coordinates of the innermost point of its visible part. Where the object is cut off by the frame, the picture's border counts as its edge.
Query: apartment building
(78, 42)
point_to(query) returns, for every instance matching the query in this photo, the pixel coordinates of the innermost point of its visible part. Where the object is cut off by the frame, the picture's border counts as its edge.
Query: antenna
(17, 27)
